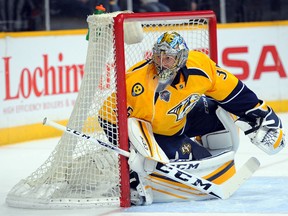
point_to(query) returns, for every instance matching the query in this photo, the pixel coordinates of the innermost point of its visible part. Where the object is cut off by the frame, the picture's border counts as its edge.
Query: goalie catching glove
(264, 128)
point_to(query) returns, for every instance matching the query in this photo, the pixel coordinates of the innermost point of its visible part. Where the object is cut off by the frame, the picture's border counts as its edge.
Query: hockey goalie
(184, 110)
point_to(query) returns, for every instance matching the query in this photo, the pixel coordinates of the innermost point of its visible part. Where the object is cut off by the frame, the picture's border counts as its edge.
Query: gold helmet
(170, 53)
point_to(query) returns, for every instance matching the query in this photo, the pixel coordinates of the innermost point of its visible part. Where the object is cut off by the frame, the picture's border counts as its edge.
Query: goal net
(79, 173)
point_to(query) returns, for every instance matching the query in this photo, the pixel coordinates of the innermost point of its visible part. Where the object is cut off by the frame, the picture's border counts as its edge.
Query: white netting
(80, 173)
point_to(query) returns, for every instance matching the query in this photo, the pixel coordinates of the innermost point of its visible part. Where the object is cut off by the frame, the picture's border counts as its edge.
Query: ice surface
(266, 193)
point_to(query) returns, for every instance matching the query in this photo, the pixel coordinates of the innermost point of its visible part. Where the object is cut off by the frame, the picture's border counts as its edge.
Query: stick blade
(240, 177)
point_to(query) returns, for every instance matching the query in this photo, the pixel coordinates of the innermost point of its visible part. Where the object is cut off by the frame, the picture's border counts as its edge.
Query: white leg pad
(142, 138)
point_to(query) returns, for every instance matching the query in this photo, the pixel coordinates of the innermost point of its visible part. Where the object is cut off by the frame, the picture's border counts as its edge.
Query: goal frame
(121, 82)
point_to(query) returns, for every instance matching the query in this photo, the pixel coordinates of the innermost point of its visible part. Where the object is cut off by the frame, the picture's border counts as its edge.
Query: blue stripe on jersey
(193, 71)
(186, 73)
(142, 65)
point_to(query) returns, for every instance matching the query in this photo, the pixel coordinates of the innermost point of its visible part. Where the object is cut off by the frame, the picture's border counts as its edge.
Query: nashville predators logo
(184, 107)
(137, 89)
(185, 148)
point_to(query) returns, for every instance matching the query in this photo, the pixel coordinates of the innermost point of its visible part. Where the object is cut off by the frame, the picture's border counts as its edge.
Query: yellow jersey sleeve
(219, 83)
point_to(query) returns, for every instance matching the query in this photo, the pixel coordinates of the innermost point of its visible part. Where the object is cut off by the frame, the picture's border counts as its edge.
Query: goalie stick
(223, 191)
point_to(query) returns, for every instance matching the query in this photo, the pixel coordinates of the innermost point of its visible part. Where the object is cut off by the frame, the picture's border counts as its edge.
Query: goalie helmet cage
(78, 173)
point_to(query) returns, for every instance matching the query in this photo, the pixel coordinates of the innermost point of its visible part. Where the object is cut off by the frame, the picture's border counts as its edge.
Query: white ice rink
(266, 193)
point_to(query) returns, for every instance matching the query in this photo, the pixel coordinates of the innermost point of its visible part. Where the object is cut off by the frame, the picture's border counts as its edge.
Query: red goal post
(78, 173)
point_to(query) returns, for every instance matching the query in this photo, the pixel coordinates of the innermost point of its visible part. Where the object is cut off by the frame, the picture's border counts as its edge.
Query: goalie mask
(170, 53)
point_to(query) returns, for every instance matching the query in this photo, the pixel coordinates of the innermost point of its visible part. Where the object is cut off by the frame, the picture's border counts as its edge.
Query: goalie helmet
(170, 53)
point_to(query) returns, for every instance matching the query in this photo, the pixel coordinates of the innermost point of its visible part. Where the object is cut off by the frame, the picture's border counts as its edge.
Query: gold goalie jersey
(167, 109)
